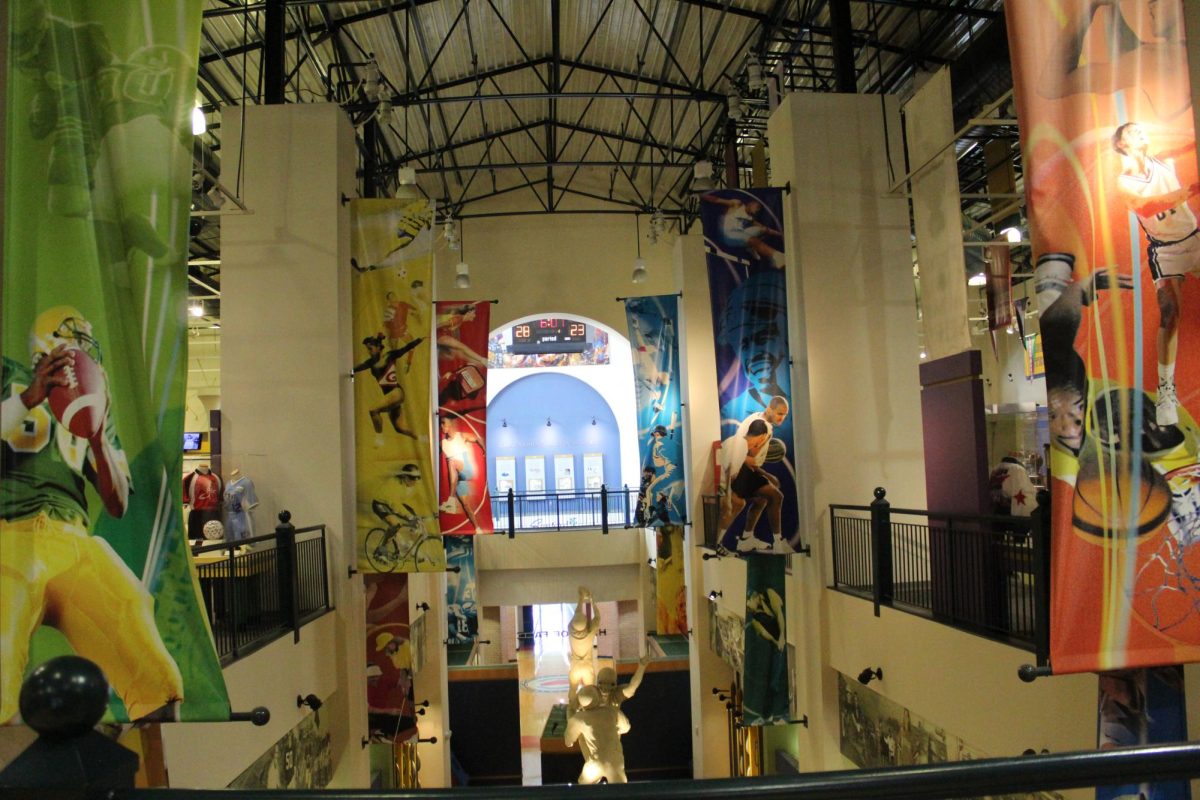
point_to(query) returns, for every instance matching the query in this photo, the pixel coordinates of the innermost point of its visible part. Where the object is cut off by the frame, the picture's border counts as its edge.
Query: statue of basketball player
(582, 630)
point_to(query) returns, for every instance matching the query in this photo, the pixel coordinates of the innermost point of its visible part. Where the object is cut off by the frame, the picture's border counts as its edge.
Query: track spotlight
(714, 594)
(702, 177)
(310, 700)
(462, 276)
(868, 675)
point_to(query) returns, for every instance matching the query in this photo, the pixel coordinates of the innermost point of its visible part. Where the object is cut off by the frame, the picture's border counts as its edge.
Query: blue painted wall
(571, 405)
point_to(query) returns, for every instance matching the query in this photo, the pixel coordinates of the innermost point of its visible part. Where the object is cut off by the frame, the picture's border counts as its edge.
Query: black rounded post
(512, 513)
(1040, 530)
(881, 550)
(285, 553)
(603, 508)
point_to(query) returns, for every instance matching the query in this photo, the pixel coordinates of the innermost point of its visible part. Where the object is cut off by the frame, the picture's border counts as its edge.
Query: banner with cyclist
(747, 281)
(98, 165)
(653, 336)
(462, 360)
(1108, 145)
(391, 714)
(391, 247)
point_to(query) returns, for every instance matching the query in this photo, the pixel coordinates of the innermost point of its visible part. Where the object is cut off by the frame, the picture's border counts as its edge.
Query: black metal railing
(986, 574)
(256, 590)
(602, 508)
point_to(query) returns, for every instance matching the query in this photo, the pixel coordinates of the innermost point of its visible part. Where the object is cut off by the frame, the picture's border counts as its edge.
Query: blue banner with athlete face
(743, 236)
(654, 338)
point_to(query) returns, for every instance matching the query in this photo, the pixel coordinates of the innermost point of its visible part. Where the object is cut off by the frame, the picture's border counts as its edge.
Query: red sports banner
(1108, 145)
(390, 709)
(462, 356)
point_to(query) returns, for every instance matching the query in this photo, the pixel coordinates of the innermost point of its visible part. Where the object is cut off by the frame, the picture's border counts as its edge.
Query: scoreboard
(549, 335)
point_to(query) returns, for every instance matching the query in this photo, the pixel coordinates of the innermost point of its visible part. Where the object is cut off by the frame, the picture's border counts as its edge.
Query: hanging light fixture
(199, 122)
(406, 184)
(639, 264)
(450, 232)
(196, 309)
(462, 273)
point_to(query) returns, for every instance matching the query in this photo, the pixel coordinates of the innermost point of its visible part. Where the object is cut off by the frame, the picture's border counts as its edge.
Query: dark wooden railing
(985, 574)
(256, 590)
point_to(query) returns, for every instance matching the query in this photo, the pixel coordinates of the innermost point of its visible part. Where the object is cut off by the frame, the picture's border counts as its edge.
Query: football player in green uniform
(52, 571)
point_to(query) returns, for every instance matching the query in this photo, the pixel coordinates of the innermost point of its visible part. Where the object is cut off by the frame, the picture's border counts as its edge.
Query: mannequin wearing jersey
(240, 499)
(202, 491)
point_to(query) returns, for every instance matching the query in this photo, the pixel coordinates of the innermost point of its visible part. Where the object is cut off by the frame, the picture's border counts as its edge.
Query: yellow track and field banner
(392, 247)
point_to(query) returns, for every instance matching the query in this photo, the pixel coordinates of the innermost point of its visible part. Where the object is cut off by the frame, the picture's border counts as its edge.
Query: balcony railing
(555, 511)
(256, 590)
(985, 574)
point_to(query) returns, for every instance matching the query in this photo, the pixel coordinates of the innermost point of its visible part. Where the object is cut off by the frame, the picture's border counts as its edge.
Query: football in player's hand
(82, 402)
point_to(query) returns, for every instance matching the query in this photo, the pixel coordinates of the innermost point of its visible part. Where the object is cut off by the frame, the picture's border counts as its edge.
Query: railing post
(231, 592)
(285, 560)
(557, 513)
(512, 516)
(603, 508)
(324, 569)
(1040, 531)
(882, 590)
(625, 494)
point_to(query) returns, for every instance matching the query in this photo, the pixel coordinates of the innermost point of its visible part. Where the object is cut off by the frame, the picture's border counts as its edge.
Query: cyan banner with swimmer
(654, 339)
(747, 278)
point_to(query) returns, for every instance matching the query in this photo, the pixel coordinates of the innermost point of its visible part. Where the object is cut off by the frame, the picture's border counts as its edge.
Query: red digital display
(549, 334)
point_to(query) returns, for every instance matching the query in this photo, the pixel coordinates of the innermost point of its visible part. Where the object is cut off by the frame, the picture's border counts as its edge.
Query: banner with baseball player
(747, 280)
(765, 697)
(462, 615)
(391, 714)
(1108, 145)
(392, 257)
(653, 337)
(98, 164)
(462, 361)
(670, 589)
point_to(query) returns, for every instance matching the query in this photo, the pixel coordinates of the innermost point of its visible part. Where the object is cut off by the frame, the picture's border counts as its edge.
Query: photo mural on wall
(654, 341)
(765, 686)
(302, 759)
(876, 731)
(98, 170)
(462, 339)
(1108, 145)
(397, 515)
(743, 238)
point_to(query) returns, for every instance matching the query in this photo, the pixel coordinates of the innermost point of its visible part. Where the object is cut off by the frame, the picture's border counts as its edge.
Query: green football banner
(93, 559)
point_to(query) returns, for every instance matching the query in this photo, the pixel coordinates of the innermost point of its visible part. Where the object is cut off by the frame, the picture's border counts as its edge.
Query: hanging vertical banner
(653, 325)
(764, 672)
(390, 708)
(743, 235)
(1141, 707)
(998, 290)
(98, 166)
(1108, 145)
(462, 339)
(670, 591)
(462, 617)
(396, 499)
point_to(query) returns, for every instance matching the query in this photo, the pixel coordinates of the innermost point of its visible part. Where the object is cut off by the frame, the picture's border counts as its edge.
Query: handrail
(991, 776)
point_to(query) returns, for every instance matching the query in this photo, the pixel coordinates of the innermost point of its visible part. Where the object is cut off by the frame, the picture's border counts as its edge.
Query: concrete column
(286, 340)
(856, 401)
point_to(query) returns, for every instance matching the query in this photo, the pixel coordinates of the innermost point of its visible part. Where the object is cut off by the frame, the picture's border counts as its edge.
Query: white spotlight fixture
(702, 177)
(406, 184)
(196, 310)
(462, 273)
(450, 232)
(924, 354)
(978, 279)
(199, 122)
(1012, 234)
(639, 263)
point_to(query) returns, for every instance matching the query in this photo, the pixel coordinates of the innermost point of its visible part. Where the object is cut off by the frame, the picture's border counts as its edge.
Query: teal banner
(654, 340)
(98, 164)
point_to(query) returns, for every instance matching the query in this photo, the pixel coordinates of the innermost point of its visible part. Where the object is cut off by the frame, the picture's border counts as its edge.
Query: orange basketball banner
(1108, 144)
